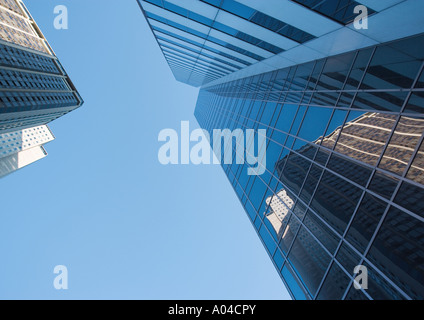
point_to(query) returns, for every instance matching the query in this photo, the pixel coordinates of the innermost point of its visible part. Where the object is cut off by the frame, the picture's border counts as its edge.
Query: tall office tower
(343, 112)
(35, 89)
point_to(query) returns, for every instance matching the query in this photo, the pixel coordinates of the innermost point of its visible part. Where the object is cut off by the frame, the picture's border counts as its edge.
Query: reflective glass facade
(205, 40)
(343, 113)
(345, 164)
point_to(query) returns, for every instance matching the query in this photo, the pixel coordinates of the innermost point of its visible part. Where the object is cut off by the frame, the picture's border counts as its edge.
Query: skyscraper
(343, 111)
(35, 89)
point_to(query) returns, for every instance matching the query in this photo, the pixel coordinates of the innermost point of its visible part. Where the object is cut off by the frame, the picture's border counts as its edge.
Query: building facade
(23, 147)
(35, 88)
(343, 111)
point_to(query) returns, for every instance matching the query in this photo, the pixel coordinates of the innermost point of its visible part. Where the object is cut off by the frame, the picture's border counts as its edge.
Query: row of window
(261, 19)
(328, 195)
(216, 25)
(17, 58)
(12, 79)
(332, 188)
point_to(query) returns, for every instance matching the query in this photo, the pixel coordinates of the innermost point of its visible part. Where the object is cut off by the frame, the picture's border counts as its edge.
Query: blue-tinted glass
(268, 239)
(237, 8)
(352, 170)
(366, 221)
(356, 295)
(279, 259)
(416, 103)
(327, 237)
(289, 232)
(335, 284)
(411, 197)
(293, 284)
(311, 183)
(341, 11)
(316, 120)
(348, 258)
(298, 120)
(383, 184)
(309, 260)
(398, 250)
(335, 201)
(379, 288)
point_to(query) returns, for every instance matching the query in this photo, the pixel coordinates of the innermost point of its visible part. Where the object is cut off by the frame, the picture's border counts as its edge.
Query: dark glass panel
(335, 200)
(398, 251)
(322, 156)
(357, 72)
(309, 260)
(383, 184)
(299, 210)
(311, 183)
(411, 197)
(420, 83)
(301, 78)
(413, 46)
(289, 233)
(341, 11)
(326, 98)
(365, 222)
(355, 294)
(334, 285)
(335, 72)
(327, 237)
(348, 258)
(416, 103)
(337, 120)
(379, 288)
(380, 101)
(313, 79)
(295, 172)
(352, 170)
(391, 69)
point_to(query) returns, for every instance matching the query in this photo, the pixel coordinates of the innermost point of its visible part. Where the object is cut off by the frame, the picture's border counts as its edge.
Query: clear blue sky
(101, 204)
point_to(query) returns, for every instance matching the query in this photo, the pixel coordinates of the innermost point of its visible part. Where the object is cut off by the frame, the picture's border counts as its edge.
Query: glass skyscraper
(35, 88)
(343, 112)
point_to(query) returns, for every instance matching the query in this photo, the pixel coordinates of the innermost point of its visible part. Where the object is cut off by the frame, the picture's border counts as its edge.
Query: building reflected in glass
(344, 114)
(344, 179)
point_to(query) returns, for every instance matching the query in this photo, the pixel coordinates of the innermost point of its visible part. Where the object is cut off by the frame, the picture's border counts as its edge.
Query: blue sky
(101, 204)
